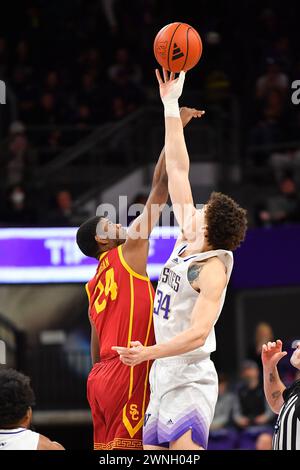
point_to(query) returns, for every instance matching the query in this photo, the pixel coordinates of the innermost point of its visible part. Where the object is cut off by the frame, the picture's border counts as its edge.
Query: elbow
(201, 342)
(176, 171)
(199, 338)
(275, 408)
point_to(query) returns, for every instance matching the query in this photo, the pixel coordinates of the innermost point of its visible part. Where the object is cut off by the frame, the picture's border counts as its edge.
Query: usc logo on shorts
(134, 412)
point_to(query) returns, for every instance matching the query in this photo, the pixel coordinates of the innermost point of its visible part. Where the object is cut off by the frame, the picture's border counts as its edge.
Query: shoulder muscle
(212, 278)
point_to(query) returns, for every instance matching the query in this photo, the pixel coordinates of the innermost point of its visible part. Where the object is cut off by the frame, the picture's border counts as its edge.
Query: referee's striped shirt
(287, 429)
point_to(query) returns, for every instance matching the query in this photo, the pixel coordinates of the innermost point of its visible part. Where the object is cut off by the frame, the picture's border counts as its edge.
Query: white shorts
(183, 396)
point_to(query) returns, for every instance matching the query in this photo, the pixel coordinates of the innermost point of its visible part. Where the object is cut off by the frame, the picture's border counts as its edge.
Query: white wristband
(172, 109)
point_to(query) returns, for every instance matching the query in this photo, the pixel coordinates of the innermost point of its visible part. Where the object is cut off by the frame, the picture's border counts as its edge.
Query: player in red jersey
(120, 311)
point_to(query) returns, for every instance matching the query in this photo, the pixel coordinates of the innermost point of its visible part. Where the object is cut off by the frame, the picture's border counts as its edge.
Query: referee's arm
(273, 387)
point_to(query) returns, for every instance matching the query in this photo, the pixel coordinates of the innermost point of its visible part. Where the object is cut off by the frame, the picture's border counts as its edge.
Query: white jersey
(18, 439)
(175, 298)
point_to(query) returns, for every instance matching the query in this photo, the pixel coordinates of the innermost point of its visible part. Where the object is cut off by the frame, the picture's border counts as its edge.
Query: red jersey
(120, 307)
(121, 304)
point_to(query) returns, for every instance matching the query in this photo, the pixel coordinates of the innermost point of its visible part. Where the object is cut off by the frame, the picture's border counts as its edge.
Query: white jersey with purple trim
(175, 298)
(18, 439)
(184, 388)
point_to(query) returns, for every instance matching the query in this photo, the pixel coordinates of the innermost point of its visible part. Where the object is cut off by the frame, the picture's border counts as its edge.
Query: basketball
(177, 47)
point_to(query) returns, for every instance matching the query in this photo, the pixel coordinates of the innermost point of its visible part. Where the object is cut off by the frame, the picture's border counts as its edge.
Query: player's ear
(102, 241)
(28, 416)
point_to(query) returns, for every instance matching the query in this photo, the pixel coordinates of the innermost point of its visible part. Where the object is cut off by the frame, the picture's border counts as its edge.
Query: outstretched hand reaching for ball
(170, 87)
(170, 91)
(187, 114)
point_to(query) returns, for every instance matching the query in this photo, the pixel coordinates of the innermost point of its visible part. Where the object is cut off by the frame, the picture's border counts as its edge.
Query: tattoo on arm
(193, 273)
(271, 377)
(276, 395)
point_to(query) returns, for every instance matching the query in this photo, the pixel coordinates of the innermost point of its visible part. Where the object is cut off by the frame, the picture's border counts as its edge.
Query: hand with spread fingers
(170, 87)
(271, 354)
(187, 114)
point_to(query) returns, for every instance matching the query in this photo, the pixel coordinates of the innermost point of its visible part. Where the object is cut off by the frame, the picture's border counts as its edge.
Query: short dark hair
(85, 237)
(16, 396)
(226, 222)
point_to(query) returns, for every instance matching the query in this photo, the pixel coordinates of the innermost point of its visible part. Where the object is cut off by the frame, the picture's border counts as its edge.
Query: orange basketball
(177, 47)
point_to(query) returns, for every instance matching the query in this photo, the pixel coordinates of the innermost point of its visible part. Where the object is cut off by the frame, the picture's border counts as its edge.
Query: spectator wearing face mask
(16, 210)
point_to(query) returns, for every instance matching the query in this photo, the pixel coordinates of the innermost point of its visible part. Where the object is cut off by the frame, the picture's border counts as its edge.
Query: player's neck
(192, 248)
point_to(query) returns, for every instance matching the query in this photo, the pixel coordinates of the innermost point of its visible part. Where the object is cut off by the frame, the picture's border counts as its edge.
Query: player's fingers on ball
(166, 75)
(172, 76)
(159, 79)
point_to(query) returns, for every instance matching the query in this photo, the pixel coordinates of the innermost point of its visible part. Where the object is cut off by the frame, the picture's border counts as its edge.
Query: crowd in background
(71, 66)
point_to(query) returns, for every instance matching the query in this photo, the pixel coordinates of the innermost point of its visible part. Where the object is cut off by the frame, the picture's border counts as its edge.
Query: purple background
(268, 257)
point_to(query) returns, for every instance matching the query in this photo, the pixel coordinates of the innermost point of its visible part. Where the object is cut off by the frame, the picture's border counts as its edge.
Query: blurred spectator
(84, 118)
(93, 95)
(270, 129)
(284, 207)
(283, 53)
(118, 109)
(269, 25)
(48, 113)
(62, 215)
(17, 209)
(124, 65)
(273, 79)
(264, 441)
(18, 160)
(263, 334)
(131, 94)
(217, 85)
(250, 407)
(224, 406)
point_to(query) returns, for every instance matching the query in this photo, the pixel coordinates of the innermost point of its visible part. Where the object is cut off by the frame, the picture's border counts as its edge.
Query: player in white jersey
(189, 299)
(16, 399)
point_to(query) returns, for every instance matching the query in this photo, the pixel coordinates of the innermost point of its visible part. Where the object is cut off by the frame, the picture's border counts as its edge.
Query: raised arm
(135, 250)
(177, 159)
(273, 387)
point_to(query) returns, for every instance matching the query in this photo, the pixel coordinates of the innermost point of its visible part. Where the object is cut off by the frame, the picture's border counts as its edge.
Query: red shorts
(118, 396)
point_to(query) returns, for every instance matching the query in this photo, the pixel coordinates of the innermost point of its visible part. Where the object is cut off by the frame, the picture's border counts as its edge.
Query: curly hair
(226, 222)
(16, 396)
